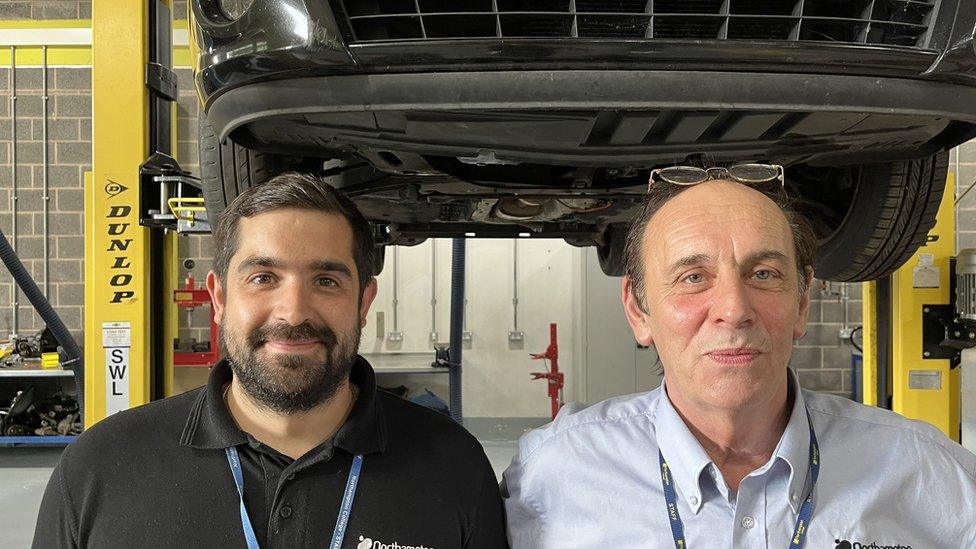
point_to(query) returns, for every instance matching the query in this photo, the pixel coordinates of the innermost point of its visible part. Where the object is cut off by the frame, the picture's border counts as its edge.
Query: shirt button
(793, 498)
(285, 511)
(748, 522)
(291, 476)
(693, 500)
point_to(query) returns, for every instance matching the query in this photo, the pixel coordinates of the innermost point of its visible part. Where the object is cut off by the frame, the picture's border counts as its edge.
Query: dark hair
(804, 238)
(293, 190)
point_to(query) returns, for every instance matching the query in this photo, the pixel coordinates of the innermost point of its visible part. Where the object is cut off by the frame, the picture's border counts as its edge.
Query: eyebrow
(766, 255)
(689, 261)
(695, 260)
(324, 265)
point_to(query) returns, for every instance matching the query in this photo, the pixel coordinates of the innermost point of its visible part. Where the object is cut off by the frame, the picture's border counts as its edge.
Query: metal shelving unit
(404, 363)
(36, 440)
(25, 372)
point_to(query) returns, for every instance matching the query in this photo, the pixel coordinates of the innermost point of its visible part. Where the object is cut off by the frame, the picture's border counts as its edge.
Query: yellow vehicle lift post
(124, 327)
(904, 368)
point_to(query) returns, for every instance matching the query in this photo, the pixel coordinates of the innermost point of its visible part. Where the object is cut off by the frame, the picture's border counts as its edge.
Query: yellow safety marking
(869, 337)
(70, 55)
(45, 23)
(32, 56)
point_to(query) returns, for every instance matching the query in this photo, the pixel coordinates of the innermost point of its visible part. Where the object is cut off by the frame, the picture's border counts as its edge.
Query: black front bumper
(600, 117)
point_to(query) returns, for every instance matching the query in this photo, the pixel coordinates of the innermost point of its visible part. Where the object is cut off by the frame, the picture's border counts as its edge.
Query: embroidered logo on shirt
(844, 544)
(367, 543)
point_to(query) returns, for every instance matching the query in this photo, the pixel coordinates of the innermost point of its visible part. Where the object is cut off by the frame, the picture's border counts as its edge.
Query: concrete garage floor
(23, 477)
(24, 473)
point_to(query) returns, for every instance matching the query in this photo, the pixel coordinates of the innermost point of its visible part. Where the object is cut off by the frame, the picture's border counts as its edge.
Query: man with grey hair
(290, 444)
(730, 451)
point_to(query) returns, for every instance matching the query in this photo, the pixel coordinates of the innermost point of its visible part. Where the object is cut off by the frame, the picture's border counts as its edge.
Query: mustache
(286, 332)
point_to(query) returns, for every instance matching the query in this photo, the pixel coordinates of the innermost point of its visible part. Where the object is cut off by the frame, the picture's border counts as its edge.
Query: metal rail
(15, 290)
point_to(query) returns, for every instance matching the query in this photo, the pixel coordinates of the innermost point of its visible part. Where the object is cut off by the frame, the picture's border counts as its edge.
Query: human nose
(732, 305)
(293, 303)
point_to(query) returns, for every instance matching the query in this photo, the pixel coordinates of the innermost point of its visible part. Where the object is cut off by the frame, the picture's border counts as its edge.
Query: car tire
(610, 254)
(893, 207)
(228, 169)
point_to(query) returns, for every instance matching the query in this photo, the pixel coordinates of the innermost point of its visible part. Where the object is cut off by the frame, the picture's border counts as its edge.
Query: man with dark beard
(289, 444)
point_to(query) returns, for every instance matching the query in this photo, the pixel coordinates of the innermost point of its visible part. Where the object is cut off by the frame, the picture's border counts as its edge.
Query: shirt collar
(210, 425)
(685, 456)
(687, 459)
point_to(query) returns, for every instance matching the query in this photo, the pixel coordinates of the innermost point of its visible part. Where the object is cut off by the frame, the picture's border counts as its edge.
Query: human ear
(634, 310)
(217, 295)
(369, 294)
(800, 326)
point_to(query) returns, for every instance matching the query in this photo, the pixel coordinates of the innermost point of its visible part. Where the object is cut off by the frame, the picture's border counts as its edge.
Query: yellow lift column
(903, 369)
(120, 290)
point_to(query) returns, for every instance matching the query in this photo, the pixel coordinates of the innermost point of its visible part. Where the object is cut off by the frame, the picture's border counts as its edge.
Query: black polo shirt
(157, 476)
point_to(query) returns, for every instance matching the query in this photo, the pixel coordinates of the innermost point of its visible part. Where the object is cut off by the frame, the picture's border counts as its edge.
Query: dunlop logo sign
(119, 231)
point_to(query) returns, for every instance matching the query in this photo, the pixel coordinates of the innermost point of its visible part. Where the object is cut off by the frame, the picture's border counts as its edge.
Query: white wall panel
(496, 375)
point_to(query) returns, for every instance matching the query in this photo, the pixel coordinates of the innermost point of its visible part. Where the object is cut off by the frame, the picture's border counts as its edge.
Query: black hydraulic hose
(73, 355)
(457, 325)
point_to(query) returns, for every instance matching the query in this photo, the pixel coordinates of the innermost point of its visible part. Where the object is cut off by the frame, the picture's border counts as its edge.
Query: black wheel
(228, 169)
(611, 252)
(892, 208)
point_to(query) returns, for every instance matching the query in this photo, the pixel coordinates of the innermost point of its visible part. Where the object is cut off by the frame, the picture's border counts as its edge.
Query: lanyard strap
(799, 536)
(348, 495)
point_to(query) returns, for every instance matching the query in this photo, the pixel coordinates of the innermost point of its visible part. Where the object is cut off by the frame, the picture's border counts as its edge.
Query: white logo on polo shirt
(368, 543)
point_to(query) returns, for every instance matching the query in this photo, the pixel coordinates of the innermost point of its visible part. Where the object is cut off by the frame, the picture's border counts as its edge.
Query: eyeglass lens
(753, 173)
(683, 175)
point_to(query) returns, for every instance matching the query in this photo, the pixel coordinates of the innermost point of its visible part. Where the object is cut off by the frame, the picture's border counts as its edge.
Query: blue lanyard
(234, 460)
(799, 536)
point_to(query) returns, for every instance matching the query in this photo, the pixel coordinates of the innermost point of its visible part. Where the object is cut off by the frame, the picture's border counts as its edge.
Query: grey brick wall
(179, 9)
(62, 9)
(963, 163)
(822, 359)
(69, 156)
(45, 9)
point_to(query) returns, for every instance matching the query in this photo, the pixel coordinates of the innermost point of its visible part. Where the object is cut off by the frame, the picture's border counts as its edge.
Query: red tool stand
(190, 297)
(554, 376)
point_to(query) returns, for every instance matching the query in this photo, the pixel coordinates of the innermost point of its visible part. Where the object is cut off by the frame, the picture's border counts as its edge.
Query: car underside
(461, 129)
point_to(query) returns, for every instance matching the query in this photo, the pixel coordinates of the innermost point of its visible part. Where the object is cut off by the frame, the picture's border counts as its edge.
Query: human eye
(693, 278)
(261, 279)
(765, 274)
(327, 281)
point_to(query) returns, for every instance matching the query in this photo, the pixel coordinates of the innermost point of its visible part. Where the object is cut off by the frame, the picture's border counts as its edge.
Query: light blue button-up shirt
(591, 478)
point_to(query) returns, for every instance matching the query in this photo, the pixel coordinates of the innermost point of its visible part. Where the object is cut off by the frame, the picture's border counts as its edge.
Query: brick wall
(963, 163)
(69, 156)
(45, 9)
(822, 359)
(62, 9)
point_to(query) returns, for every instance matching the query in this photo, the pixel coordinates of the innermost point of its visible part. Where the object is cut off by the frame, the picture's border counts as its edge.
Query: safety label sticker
(116, 339)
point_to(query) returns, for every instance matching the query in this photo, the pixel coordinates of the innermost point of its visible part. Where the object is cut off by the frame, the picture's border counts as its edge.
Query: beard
(286, 383)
